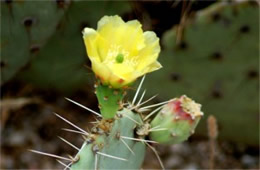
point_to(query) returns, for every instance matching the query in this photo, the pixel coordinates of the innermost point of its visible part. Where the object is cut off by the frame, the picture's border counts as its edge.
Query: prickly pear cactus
(109, 138)
(216, 62)
(120, 143)
(124, 129)
(26, 27)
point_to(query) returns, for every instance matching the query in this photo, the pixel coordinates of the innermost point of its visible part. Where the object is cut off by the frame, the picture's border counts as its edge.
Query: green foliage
(109, 141)
(25, 27)
(217, 64)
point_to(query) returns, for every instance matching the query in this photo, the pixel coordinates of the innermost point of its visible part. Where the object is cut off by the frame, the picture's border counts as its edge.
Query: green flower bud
(177, 121)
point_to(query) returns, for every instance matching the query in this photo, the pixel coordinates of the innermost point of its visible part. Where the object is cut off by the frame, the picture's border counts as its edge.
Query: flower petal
(122, 70)
(134, 39)
(150, 53)
(127, 35)
(97, 46)
(111, 28)
(101, 70)
(152, 67)
(90, 38)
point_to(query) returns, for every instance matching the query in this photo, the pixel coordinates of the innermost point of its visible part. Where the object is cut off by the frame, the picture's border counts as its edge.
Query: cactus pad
(217, 63)
(109, 141)
(26, 27)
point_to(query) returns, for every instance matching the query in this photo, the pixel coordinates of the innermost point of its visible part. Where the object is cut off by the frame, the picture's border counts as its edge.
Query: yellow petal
(90, 37)
(107, 76)
(134, 39)
(97, 46)
(101, 71)
(128, 36)
(152, 67)
(122, 70)
(110, 27)
(150, 53)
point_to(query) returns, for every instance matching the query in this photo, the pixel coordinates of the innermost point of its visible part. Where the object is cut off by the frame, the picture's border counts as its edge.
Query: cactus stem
(156, 154)
(153, 105)
(138, 89)
(141, 98)
(122, 140)
(111, 156)
(86, 133)
(153, 112)
(110, 105)
(140, 140)
(84, 107)
(131, 119)
(50, 155)
(64, 140)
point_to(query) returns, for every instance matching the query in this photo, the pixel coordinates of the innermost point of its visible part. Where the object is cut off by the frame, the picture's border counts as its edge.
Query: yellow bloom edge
(120, 52)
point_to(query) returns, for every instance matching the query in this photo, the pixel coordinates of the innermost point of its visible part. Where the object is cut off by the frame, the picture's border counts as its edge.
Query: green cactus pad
(109, 100)
(217, 64)
(112, 145)
(25, 28)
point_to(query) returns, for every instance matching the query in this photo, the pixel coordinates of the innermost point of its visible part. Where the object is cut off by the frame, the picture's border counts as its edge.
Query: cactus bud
(179, 117)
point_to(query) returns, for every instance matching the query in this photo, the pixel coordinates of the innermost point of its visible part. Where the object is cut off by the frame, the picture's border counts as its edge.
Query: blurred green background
(210, 51)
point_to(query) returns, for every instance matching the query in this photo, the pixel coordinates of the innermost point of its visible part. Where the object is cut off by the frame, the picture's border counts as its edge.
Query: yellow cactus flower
(120, 52)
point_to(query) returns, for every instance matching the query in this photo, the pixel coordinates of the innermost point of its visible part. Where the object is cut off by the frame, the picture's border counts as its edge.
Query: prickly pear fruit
(177, 119)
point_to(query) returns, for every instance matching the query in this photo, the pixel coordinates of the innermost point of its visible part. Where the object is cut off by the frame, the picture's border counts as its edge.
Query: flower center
(118, 55)
(120, 58)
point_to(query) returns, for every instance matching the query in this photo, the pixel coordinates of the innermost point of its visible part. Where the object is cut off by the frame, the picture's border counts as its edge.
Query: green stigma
(120, 58)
